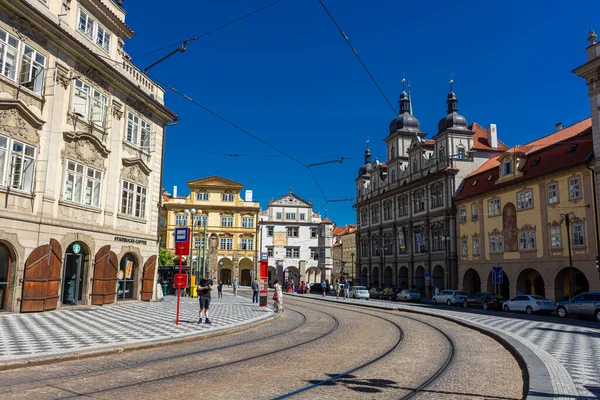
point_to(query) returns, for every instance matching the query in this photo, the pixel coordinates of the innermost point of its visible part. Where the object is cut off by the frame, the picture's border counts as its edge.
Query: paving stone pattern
(24, 336)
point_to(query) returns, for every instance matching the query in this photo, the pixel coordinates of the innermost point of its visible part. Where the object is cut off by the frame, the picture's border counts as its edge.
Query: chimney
(174, 192)
(248, 196)
(559, 127)
(493, 136)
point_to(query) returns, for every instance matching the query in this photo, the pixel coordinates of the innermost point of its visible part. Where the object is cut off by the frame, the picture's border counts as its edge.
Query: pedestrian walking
(324, 288)
(436, 291)
(277, 297)
(220, 289)
(235, 287)
(338, 287)
(346, 290)
(255, 287)
(203, 289)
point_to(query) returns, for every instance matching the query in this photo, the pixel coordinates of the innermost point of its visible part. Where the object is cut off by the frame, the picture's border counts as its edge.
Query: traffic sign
(427, 276)
(264, 256)
(182, 235)
(497, 275)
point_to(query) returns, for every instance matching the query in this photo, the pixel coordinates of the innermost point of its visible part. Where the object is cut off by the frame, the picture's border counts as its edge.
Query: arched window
(441, 153)
(393, 152)
(393, 176)
(415, 166)
(460, 153)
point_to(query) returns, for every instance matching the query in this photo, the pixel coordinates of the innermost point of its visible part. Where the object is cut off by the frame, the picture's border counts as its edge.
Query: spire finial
(593, 37)
(367, 142)
(403, 82)
(451, 81)
(290, 190)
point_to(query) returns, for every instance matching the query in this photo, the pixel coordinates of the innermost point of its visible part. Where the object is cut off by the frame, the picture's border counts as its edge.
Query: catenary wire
(212, 30)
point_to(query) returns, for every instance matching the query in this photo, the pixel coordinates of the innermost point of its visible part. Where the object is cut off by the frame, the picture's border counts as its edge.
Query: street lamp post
(204, 246)
(353, 278)
(219, 271)
(567, 218)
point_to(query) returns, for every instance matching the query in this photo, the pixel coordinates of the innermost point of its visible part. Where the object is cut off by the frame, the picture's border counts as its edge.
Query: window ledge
(580, 247)
(136, 148)
(524, 209)
(527, 250)
(17, 192)
(556, 248)
(66, 203)
(496, 252)
(132, 218)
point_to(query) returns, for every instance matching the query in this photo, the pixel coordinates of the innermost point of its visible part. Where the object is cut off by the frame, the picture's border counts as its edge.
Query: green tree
(165, 257)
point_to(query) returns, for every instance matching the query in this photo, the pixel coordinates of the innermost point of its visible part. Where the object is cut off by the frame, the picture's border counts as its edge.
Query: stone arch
(562, 283)
(128, 284)
(471, 282)
(504, 289)
(17, 255)
(7, 274)
(225, 270)
(135, 251)
(364, 276)
(77, 272)
(272, 274)
(437, 277)
(403, 277)
(293, 273)
(530, 281)
(245, 266)
(388, 277)
(419, 278)
(375, 277)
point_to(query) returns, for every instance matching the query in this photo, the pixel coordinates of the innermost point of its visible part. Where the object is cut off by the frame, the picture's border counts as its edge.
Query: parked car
(449, 297)
(586, 304)
(408, 295)
(530, 303)
(374, 293)
(387, 294)
(358, 292)
(485, 301)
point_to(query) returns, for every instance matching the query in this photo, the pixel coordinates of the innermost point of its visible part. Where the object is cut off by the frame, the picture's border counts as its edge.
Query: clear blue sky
(287, 76)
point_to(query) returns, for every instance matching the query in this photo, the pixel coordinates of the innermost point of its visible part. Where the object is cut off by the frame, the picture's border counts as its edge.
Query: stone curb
(85, 354)
(536, 379)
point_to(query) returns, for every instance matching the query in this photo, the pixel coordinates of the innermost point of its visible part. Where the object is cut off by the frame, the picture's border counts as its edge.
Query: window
(9, 46)
(527, 240)
(375, 214)
(556, 237)
(198, 242)
(270, 231)
(464, 243)
(229, 197)
(376, 248)
(138, 131)
(227, 221)
(525, 199)
(314, 253)
(403, 205)
(17, 160)
(506, 168)
(293, 252)
(441, 153)
(32, 70)
(292, 232)
(419, 240)
(494, 207)
(574, 188)
(270, 251)
(313, 233)
(247, 244)
(387, 210)
(364, 216)
(247, 222)
(578, 235)
(496, 243)
(226, 243)
(90, 103)
(475, 245)
(133, 200)
(419, 200)
(291, 216)
(181, 219)
(461, 153)
(437, 197)
(278, 216)
(388, 245)
(553, 193)
(437, 236)
(201, 220)
(463, 214)
(201, 196)
(82, 184)
(474, 212)
(364, 247)
(401, 242)
(103, 38)
(86, 24)
(302, 216)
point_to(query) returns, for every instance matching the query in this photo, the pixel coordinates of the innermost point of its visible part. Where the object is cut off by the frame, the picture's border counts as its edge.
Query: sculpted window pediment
(19, 122)
(135, 170)
(85, 148)
(130, 162)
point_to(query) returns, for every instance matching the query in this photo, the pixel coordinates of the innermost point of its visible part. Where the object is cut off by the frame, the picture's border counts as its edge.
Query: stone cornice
(128, 162)
(23, 110)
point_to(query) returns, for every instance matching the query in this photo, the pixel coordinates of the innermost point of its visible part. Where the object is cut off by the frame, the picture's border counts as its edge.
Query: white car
(358, 292)
(530, 303)
(449, 297)
(409, 295)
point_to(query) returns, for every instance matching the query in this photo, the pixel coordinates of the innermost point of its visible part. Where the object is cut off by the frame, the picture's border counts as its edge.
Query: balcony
(142, 81)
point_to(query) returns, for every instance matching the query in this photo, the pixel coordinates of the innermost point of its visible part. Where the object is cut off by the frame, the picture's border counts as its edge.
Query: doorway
(126, 277)
(5, 263)
(72, 285)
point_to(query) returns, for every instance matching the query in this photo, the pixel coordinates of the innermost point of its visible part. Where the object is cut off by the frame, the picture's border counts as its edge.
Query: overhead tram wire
(212, 30)
(358, 57)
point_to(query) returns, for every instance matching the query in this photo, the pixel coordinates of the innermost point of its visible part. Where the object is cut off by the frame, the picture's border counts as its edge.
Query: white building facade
(81, 149)
(297, 241)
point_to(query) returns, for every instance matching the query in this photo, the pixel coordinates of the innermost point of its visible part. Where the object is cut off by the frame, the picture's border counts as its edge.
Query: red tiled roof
(428, 142)
(560, 156)
(326, 221)
(339, 230)
(481, 139)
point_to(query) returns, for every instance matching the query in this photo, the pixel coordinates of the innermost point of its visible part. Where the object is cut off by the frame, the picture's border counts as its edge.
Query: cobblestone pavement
(571, 353)
(311, 343)
(28, 336)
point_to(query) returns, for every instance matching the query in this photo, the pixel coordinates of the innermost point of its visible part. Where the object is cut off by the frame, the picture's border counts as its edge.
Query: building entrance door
(5, 263)
(72, 287)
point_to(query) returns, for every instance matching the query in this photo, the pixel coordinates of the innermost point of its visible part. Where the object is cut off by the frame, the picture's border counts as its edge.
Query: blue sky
(286, 75)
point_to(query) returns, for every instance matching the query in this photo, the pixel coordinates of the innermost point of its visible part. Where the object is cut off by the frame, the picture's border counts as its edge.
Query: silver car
(449, 297)
(358, 292)
(530, 303)
(585, 304)
(408, 295)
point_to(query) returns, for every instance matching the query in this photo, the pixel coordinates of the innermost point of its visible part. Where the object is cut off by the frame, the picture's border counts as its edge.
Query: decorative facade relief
(85, 148)
(92, 74)
(117, 109)
(13, 124)
(135, 174)
(76, 214)
(24, 30)
(63, 75)
(139, 106)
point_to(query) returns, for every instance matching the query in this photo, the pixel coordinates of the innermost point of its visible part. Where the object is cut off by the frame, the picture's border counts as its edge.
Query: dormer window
(506, 168)
(461, 153)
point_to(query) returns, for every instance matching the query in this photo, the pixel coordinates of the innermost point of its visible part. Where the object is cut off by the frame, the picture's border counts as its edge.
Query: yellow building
(231, 228)
(511, 213)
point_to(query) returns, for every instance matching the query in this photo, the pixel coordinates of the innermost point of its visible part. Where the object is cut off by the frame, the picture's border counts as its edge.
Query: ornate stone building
(81, 149)
(406, 225)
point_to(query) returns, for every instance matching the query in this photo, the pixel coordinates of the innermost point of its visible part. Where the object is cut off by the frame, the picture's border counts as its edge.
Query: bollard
(164, 285)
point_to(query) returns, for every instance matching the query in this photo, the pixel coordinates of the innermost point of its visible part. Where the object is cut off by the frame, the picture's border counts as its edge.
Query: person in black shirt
(220, 289)
(204, 288)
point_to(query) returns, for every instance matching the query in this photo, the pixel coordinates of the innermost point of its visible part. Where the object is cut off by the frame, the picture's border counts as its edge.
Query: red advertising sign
(180, 281)
(182, 247)
(264, 283)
